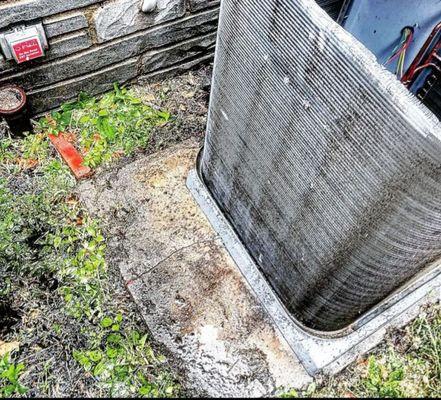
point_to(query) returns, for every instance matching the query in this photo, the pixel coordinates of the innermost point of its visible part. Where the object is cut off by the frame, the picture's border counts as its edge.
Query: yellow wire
(401, 58)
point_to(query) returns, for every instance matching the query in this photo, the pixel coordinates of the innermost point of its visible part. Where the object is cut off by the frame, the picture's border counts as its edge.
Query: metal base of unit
(326, 352)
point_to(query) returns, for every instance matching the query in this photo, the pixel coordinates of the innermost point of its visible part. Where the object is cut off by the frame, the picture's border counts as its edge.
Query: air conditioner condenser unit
(325, 168)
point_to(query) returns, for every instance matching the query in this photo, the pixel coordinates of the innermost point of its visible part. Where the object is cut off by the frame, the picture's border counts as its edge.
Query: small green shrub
(105, 129)
(10, 377)
(383, 380)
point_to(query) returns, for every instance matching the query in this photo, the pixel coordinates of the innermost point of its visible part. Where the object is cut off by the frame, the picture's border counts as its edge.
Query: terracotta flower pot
(13, 108)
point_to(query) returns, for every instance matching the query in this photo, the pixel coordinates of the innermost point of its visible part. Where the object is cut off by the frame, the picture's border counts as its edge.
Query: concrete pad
(326, 352)
(189, 290)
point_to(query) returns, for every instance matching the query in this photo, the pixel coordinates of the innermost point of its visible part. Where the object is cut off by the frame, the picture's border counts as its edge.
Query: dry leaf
(188, 95)
(8, 347)
(27, 163)
(70, 137)
(51, 122)
(149, 97)
(118, 154)
(72, 200)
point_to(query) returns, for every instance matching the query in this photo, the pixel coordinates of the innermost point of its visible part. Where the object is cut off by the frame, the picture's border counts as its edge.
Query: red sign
(27, 50)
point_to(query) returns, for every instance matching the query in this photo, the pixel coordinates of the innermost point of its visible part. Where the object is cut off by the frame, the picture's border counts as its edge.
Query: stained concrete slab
(190, 292)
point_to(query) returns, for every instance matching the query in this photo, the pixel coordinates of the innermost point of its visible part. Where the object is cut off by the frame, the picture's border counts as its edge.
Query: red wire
(410, 74)
(427, 66)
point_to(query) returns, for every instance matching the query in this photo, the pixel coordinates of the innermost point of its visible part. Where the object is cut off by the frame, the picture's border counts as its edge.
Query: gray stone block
(66, 23)
(123, 17)
(201, 4)
(69, 44)
(31, 9)
(112, 53)
(176, 69)
(53, 96)
(192, 48)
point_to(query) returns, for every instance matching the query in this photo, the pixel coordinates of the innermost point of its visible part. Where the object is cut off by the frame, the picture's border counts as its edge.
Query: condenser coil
(327, 168)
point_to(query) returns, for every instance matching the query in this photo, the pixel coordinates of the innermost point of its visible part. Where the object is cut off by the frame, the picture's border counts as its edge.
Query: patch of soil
(186, 98)
(47, 336)
(10, 99)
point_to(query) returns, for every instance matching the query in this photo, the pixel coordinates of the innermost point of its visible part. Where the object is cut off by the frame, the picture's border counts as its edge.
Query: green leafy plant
(10, 377)
(384, 380)
(289, 394)
(105, 129)
(122, 359)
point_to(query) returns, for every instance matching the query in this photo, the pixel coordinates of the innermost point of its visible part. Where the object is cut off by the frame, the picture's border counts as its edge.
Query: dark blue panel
(378, 25)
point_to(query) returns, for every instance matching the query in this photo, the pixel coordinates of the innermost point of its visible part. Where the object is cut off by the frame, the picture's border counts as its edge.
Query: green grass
(46, 235)
(10, 377)
(407, 365)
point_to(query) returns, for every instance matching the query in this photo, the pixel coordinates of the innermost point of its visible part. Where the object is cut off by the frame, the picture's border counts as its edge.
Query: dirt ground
(186, 97)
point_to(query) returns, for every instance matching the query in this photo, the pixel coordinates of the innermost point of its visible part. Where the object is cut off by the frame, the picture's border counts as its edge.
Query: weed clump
(407, 366)
(104, 129)
(10, 377)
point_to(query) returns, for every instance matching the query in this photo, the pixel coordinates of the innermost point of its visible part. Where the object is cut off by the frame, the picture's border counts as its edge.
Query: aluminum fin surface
(325, 165)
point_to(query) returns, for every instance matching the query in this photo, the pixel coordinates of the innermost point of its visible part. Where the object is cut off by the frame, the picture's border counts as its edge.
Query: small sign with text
(27, 50)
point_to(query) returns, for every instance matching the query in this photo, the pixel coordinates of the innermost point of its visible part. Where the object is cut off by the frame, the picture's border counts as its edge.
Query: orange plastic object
(71, 156)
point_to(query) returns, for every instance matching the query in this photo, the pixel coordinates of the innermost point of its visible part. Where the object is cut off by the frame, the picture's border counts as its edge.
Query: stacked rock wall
(96, 43)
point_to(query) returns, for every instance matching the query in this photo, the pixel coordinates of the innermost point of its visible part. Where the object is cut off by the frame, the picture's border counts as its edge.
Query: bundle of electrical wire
(400, 51)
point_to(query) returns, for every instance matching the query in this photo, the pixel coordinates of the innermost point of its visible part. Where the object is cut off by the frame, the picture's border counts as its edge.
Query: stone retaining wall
(96, 43)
